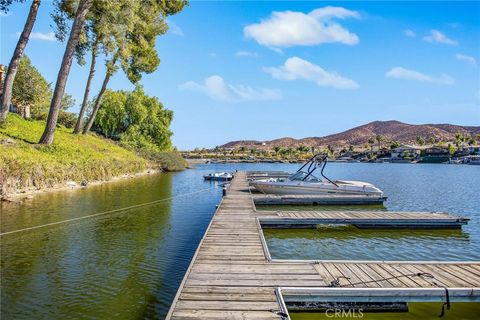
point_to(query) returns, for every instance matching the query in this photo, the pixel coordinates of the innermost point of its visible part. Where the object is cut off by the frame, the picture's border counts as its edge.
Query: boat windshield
(300, 176)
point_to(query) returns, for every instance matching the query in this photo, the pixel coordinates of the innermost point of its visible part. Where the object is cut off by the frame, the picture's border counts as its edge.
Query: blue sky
(264, 70)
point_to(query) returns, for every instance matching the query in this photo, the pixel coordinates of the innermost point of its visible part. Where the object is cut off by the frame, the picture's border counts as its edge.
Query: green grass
(24, 164)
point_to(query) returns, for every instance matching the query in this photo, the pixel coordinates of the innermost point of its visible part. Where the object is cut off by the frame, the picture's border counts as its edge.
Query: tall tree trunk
(89, 124)
(78, 125)
(6, 98)
(83, 7)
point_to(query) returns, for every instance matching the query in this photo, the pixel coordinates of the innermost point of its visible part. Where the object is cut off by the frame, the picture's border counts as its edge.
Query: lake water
(129, 264)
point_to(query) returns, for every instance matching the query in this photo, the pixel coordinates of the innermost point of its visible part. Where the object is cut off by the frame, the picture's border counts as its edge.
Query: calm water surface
(124, 265)
(128, 265)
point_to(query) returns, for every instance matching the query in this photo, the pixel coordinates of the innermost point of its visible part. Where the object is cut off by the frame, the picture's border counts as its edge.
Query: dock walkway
(231, 275)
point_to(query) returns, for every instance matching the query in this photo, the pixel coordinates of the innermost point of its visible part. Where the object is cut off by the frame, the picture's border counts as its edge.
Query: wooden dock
(231, 275)
(363, 219)
(328, 199)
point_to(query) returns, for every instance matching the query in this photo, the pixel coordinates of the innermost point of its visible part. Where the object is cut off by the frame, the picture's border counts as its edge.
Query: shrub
(67, 119)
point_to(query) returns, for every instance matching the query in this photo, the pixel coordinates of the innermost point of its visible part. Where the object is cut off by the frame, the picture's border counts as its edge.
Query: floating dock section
(232, 276)
(328, 199)
(363, 219)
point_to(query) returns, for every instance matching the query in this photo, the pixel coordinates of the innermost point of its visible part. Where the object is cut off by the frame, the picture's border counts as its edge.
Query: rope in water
(109, 211)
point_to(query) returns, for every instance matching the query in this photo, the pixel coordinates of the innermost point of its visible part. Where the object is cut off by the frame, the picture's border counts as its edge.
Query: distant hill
(391, 130)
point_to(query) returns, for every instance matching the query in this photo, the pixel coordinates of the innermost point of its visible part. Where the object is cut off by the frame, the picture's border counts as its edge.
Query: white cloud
(49, 36)
(218, 89)
(174, 28)
(295, 68)
(406, 74)
(288, 28)
(468, 59)
(409, 33)
(246, 54)
(436, 36)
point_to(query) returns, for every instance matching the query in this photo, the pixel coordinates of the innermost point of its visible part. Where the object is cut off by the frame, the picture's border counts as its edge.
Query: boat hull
(309, 189)
(211, 178)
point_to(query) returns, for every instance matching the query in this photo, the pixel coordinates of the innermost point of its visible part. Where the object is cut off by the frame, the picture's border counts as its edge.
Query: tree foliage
(103, 24)
(139, 121)
(125, 31)
(5, 4)
(420, 140)
(31, 88)
(395, 144)
(67, 101)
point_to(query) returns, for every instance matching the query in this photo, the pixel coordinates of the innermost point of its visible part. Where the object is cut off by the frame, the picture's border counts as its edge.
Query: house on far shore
(470, 150)
(435, 155)
(405, 153)
(463, 152)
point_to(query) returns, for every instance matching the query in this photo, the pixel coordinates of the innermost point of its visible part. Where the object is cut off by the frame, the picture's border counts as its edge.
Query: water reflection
(345, 232)
(333, 242)
(124, 265)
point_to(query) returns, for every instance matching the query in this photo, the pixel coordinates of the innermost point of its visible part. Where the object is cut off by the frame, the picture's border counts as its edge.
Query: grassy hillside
(24, 164)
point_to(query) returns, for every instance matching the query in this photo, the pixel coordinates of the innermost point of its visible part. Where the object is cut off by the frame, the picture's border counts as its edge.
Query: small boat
(453, 161)
(218, 176)
(304, 182)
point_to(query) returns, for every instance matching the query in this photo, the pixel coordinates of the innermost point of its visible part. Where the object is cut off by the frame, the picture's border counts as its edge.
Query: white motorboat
(219, 176)
(453, 161)
(304, 182)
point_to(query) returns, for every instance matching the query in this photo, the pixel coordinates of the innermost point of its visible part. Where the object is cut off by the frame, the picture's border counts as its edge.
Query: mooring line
(109, 211)
(336, 282)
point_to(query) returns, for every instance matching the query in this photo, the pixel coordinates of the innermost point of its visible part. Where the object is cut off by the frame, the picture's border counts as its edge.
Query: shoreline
(28, 193)
(194, 161)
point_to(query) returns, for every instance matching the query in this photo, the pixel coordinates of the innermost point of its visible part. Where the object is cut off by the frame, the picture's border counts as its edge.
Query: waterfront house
(474, 150)
(462, 151)
(435, 155)
(372, 155)
(473, 153)
(405, 153)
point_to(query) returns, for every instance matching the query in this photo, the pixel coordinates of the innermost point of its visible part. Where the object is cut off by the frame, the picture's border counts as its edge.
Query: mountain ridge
(391, 130)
